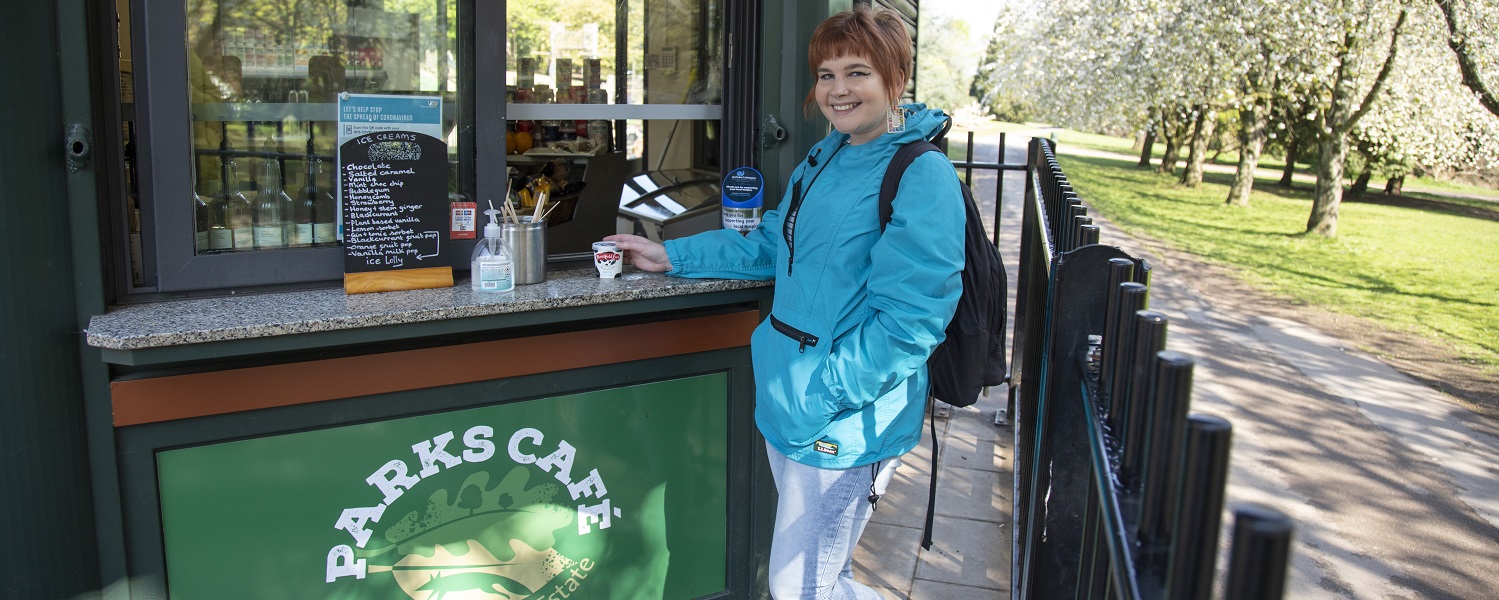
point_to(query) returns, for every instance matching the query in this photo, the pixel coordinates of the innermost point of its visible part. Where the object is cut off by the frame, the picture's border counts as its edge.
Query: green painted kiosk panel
(612, 494)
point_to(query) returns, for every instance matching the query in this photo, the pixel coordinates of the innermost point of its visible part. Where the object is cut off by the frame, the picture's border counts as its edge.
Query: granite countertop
(225, 318)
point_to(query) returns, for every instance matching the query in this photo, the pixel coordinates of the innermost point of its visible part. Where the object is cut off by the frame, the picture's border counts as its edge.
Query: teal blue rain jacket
(840, 365)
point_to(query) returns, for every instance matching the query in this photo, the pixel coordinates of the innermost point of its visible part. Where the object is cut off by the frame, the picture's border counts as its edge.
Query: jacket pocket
(802, 338)
(793, 404)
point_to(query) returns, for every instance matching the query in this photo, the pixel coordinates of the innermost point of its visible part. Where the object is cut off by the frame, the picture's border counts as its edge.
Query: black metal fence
(1118, 491)
(999, 167)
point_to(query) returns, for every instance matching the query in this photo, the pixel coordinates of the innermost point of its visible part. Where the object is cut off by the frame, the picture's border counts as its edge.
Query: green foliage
(1120, 68)
(1417, 266)
(941, 73)
(1003, 103)
(529, 22)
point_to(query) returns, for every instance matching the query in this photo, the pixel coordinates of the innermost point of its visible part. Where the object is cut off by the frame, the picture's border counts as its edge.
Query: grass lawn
(1420, 264)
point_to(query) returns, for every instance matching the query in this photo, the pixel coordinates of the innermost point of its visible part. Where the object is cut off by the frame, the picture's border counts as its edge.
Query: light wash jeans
(819, 518)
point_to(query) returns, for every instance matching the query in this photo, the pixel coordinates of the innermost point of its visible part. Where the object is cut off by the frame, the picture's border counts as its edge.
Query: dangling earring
(895, 118)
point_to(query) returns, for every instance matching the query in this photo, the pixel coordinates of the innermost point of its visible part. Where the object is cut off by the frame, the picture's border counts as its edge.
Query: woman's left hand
(646, 255)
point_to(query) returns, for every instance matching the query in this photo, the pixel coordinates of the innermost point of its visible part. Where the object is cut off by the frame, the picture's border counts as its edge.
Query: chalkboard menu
(395, 207)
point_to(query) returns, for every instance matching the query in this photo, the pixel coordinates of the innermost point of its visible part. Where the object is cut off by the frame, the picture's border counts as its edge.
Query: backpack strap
(897, 169)
(888, 187)
(931, 498)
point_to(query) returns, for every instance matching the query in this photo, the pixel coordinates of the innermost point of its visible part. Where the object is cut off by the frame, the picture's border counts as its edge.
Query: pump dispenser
(493, 269)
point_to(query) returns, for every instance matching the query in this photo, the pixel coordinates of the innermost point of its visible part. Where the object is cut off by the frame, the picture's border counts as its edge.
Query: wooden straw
(541, 200)
(549, 211)
(507, 209)
(510, 212)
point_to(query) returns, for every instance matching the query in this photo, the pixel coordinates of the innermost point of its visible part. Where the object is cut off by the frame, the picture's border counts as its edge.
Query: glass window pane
(586, 76)
(264, 76)
(614, 52)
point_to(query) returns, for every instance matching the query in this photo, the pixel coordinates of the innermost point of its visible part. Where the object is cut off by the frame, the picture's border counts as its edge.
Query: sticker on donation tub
(743, 199)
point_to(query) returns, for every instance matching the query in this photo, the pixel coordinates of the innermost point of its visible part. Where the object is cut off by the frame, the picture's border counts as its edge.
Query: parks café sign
(616, 494)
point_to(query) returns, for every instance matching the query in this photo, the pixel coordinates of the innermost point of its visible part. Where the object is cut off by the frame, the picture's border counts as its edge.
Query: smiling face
(853, 96)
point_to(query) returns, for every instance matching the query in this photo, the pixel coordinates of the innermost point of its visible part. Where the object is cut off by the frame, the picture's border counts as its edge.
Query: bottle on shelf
(239, 212)
(285, 54)
(220, 237)
(201, 217)
(298, 186)
(288, 209)
(324, 205)
(270, 205)
(599, 133)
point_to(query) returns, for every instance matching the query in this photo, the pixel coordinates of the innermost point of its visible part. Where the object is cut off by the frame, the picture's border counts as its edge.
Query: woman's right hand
(646, 255)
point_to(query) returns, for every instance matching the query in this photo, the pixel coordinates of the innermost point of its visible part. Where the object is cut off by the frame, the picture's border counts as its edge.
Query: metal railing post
(1149, 338)
(1203, 477)
(999, 186)
(1090, 234)
(1119, 350)
(1171, 390)
(1261, 551)
(968, 161)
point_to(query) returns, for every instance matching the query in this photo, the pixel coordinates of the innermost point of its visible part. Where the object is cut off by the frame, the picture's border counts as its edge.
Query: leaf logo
(486, 541)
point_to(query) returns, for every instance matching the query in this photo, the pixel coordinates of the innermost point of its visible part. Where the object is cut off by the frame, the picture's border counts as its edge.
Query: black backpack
(972, 356)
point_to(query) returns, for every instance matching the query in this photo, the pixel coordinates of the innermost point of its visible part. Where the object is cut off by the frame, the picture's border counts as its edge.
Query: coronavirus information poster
(362, 114)
(359, 114)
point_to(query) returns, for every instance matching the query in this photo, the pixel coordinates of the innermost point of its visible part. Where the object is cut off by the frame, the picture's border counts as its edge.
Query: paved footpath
(1394, 487)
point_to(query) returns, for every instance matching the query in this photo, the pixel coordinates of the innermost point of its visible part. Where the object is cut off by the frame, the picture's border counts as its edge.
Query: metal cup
(528, 240)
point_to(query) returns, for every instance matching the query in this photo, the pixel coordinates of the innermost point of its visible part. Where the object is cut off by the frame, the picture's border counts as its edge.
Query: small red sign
(465, 220)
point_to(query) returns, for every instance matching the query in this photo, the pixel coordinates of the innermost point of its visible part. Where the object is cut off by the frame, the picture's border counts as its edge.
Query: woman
(840, 365)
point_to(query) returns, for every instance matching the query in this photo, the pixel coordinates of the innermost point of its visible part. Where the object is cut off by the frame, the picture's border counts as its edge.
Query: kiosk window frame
(154, 147)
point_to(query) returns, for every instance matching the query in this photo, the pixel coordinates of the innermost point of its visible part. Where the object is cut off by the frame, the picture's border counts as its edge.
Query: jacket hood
(921, 123)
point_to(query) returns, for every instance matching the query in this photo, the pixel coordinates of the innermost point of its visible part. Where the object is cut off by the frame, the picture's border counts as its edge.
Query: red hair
(879, 36)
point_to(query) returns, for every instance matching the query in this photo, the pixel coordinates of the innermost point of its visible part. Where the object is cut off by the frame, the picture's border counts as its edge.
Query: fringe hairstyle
(879, 36)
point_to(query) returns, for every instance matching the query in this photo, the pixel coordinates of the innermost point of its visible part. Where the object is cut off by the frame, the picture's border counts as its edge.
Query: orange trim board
(220, 392)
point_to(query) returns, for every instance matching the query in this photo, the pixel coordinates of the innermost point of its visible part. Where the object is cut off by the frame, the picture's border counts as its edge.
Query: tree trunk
(1469, 61)
(1202, 129)
(1361, 184)
(1337, 121)
(1329, 194)
(1147, 146)
(1293, 152)
(1251, 142)
(1173, 147)
(1168, 161)
(1392, 187)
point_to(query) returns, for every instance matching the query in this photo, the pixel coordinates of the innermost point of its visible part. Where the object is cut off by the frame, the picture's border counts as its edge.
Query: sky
(980, 14)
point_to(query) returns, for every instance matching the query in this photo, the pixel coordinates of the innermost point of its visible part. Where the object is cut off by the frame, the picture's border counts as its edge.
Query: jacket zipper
(788, 226)
(802, 337)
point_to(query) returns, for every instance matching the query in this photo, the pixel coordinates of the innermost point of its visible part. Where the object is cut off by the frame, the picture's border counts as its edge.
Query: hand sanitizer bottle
(492, 269)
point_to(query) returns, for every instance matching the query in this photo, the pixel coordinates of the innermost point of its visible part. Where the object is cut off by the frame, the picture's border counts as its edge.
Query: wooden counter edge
(174, 397)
